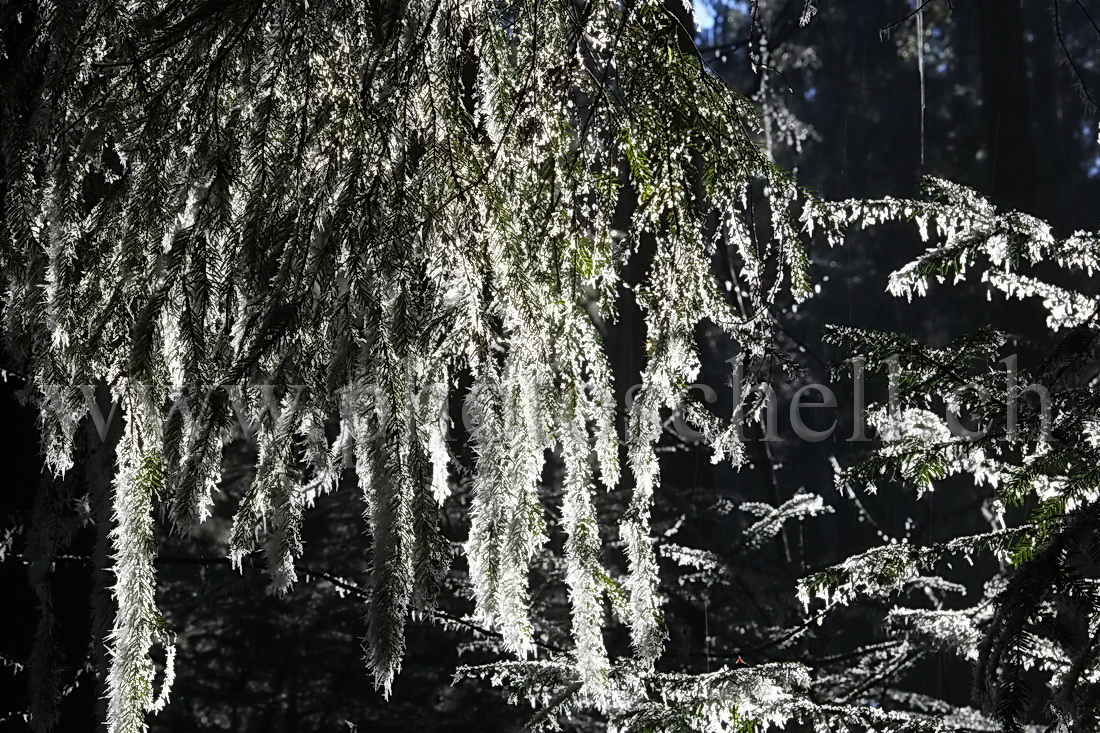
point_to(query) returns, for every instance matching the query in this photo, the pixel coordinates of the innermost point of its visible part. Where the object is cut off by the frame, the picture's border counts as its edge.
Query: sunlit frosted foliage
(744, 699)
(367, 204)
(1029, 436)
(999, 245)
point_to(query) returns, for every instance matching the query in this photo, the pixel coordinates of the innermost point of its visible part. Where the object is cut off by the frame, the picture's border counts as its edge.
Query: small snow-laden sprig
(138, 624)
(1066, 309)
(325, 462)
(721, 436)
(919, 448)
(726, 700)
(1081, 250)
(971, 229)
(756, 698)
(882, 571)
(915, 366)
(955, 631)
(551, 684)
(61, 409)
(951, 717)
(771, 519)
(708, 568)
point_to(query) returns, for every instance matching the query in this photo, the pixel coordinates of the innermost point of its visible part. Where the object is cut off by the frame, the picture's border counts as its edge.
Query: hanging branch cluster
(371, 202)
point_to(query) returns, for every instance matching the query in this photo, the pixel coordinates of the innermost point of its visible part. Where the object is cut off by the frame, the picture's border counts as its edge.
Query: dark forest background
(1006, 110)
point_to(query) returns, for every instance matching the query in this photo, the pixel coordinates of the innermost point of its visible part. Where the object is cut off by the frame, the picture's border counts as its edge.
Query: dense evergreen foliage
(397, 248)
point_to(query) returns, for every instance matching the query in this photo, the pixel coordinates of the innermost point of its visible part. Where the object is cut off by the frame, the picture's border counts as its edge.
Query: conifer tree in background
(1031, 438)
(384, 209)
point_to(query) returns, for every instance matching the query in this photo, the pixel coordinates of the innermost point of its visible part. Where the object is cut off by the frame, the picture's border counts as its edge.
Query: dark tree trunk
(1006, 99)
